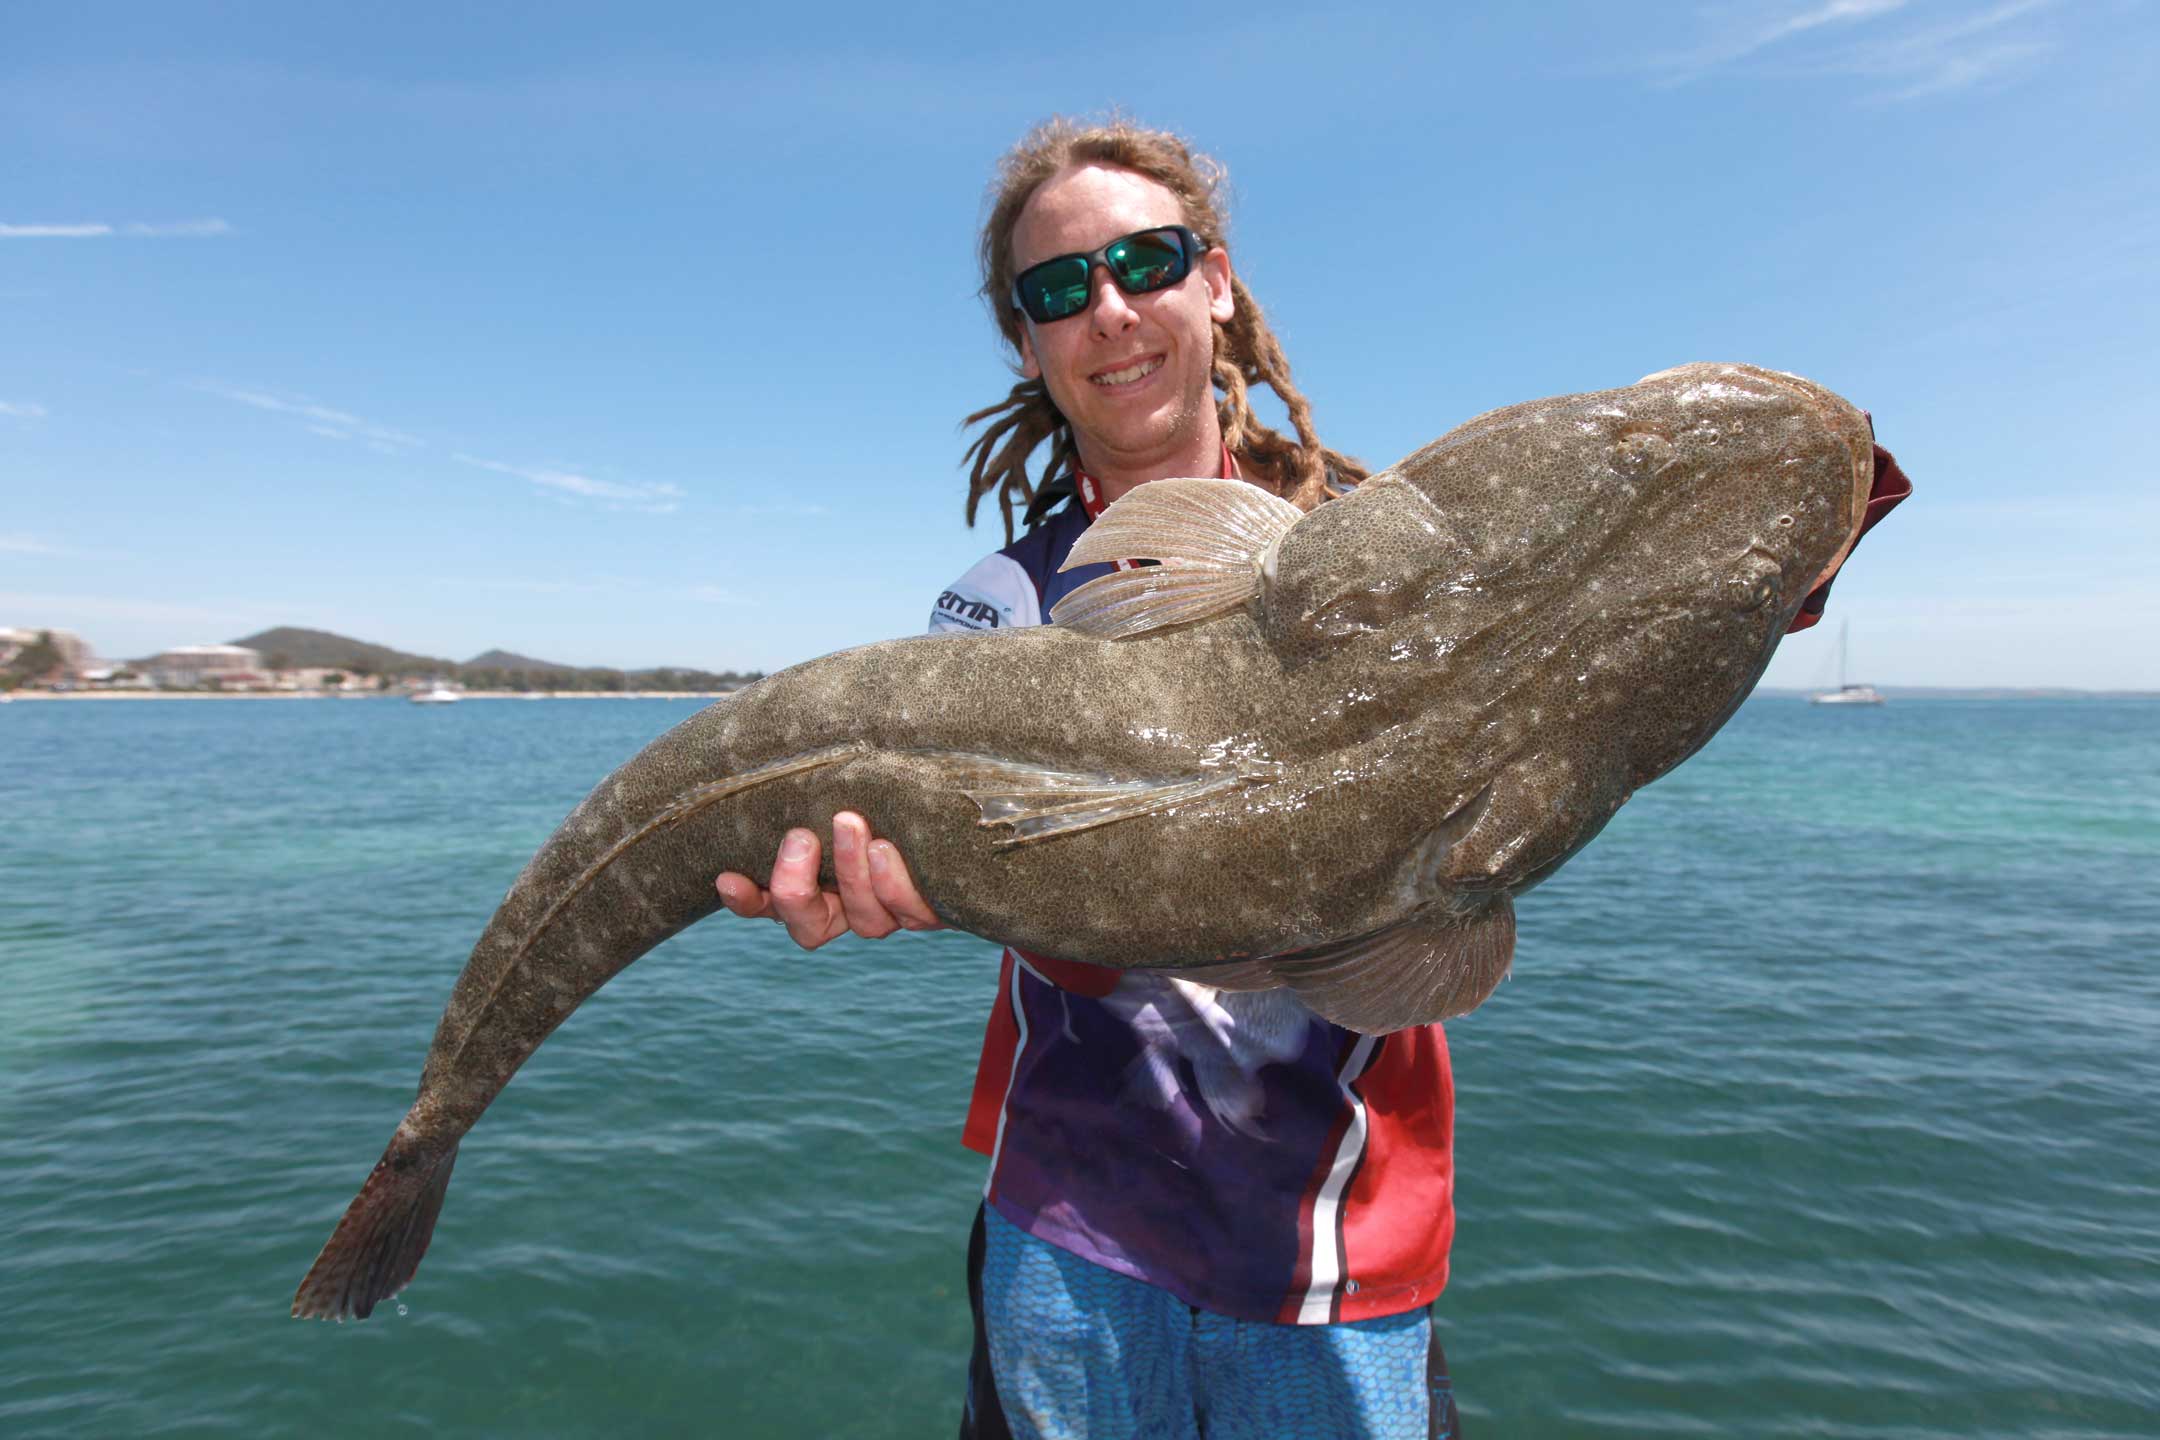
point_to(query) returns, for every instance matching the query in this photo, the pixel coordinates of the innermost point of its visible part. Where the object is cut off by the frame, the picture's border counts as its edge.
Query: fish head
(1573, 594)
(1713, 493)
(1745, 489)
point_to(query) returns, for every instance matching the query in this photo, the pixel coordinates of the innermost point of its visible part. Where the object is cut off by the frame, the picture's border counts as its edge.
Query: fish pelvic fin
(1031, 803)
(1214, 541)
(1438, 964)
(377, 1246)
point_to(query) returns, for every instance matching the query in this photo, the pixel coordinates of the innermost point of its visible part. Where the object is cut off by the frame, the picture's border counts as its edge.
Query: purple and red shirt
(1230, 1147)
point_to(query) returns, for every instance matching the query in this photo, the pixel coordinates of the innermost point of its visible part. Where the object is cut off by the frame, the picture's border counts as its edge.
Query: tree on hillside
(35, 662)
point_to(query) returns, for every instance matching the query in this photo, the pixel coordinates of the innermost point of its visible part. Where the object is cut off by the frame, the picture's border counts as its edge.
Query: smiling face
(1131, 372)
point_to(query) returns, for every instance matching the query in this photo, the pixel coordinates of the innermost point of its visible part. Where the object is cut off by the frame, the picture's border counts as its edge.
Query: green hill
(296, 648)
(506, 660)
(289, 646)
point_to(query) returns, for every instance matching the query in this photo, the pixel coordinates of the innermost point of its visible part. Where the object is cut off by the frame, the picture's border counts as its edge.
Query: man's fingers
(822, 921)
(877, 894)
(866, 916)
(742, 895)
(895, 888)
(811, 915)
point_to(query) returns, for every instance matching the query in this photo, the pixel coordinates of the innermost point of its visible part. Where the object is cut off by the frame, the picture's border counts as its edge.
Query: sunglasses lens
(1055, 288)
(1148, 261)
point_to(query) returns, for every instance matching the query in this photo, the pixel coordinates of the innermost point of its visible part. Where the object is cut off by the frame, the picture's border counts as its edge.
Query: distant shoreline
(385, 695)
(1776, 693)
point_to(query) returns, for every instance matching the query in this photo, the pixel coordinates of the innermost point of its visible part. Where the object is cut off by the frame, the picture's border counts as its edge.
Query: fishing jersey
(1230, 1147)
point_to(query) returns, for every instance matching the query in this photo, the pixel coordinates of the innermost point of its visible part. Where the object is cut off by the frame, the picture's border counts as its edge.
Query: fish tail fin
(377, 1246)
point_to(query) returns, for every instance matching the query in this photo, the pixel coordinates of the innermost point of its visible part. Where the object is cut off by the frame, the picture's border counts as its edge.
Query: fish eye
(1752, 592)
(1757, 581)
(1641, 452)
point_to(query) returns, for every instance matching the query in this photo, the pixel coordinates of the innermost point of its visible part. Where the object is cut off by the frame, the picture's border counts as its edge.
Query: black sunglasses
(1142, 261)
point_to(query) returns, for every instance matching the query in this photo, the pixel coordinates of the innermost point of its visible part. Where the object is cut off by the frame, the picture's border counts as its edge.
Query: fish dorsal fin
(1434, 965)
(1211, 537)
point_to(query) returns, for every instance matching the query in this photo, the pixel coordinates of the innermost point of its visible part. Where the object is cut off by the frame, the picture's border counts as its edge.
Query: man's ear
(1215, 267)
(1029, 370)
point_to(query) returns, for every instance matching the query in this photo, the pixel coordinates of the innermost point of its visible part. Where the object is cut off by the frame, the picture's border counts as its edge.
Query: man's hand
(877, 895)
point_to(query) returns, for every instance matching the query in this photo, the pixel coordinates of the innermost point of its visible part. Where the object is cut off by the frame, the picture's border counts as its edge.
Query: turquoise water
(1825, 1100)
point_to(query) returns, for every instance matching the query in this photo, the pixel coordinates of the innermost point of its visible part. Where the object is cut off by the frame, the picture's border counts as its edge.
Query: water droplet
(401, 1307)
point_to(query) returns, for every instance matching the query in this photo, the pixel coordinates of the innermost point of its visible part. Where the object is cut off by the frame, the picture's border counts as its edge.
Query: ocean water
(1824, 1101)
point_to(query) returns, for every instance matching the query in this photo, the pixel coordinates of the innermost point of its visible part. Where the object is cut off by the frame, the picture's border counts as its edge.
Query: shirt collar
(1091, 493)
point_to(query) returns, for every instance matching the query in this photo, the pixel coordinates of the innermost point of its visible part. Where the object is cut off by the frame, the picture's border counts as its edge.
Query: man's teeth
(1130, 373)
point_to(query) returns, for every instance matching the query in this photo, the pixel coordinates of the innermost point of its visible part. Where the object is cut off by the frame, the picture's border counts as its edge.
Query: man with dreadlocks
(1207, 1212)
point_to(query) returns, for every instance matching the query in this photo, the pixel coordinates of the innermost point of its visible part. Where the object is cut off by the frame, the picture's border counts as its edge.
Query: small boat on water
(436, 694)
(1846, 693)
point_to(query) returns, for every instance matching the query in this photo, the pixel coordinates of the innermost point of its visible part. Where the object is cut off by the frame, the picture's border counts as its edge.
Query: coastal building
(75, 653)
(187, 666)
(316, 677)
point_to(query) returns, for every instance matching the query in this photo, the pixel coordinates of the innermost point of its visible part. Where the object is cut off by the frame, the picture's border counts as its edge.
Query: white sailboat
(1846, 693)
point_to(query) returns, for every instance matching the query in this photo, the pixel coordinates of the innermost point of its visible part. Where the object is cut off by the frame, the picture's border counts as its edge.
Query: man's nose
(1110, 311)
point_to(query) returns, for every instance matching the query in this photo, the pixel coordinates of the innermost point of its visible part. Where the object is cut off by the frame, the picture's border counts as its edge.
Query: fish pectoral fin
(1231, 975)
(1035, 803)
(1212, 539)
(1435, 965)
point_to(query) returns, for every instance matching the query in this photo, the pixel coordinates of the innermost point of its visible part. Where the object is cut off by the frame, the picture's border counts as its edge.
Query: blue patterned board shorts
(1067, 1350)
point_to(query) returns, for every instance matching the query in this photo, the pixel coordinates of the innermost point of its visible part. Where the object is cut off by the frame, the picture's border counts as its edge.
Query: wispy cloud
(23, 410)
(320, 419)
(792, 509)
(522, 586)
(604, 585)
(72, 610)
(137, 229)
(19, 544)
(1910, 51)
(330, 423)
(656, 498)
(1758, 29)
(1953, 55)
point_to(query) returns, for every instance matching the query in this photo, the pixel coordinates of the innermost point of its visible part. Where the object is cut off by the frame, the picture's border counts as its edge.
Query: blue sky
(642, 334)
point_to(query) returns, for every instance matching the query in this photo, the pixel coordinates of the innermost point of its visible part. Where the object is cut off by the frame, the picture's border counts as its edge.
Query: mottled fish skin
(1447, 683)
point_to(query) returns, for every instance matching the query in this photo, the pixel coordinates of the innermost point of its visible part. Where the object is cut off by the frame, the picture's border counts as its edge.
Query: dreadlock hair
(1246, 350)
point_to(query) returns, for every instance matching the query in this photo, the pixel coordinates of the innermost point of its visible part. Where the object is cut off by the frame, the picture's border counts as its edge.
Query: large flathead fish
(1321, 751)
